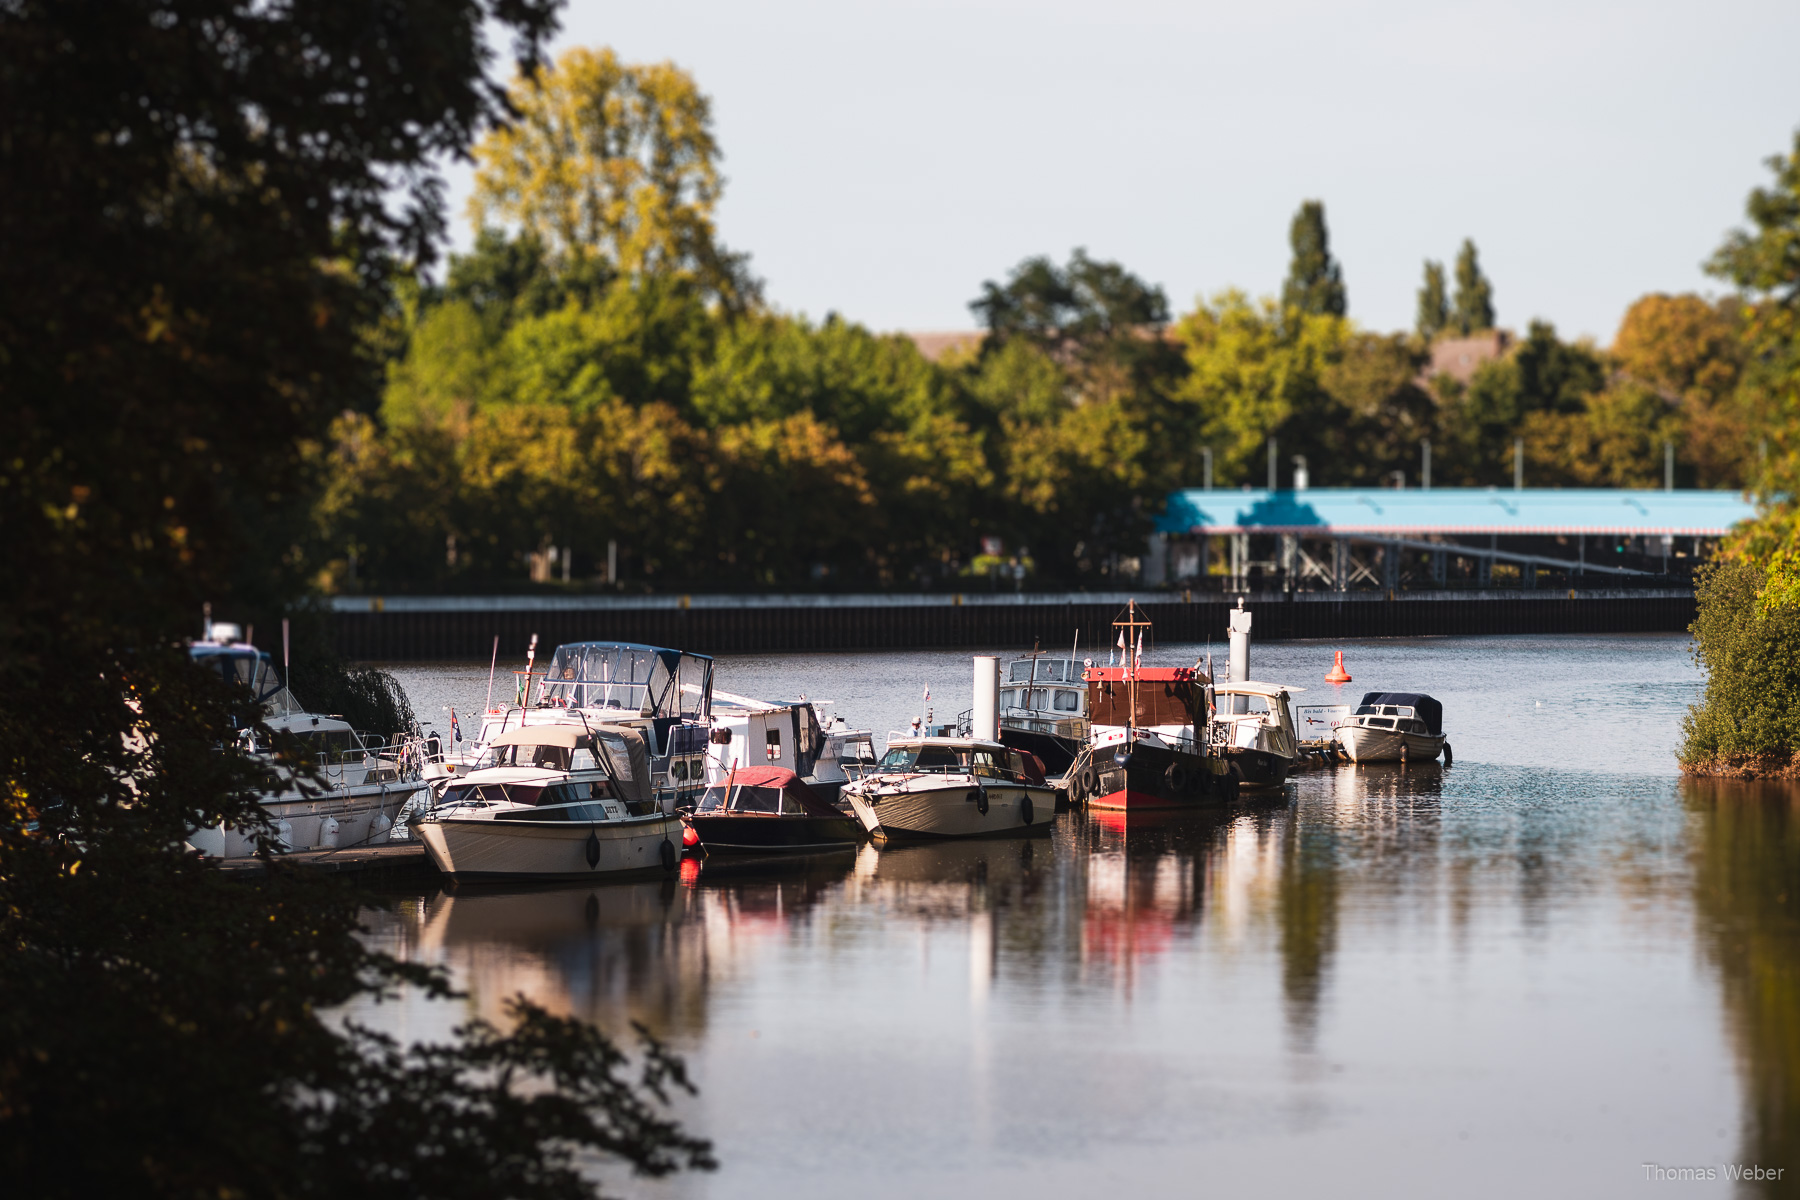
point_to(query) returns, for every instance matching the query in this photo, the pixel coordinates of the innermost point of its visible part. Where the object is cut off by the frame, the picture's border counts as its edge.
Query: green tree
(1434, 303)
(1252, 376)
(616, 161)
(1315, 283)
(201, 206)
(1474, 303)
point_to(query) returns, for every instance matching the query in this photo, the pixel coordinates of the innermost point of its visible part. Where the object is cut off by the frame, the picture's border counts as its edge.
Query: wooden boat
(944, 787)
(1394, 727)
(1148, 747)
(555, 802)
(769, 809)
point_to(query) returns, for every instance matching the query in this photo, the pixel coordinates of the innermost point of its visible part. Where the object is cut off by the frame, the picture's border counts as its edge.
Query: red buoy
(1337, 674)
(690, 837)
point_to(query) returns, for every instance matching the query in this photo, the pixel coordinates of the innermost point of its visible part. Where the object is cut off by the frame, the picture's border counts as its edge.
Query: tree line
(600, 377)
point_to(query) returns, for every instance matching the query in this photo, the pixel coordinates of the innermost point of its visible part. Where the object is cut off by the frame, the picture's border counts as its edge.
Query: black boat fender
(979, 796)
(1090, 780)
(1176, 777)
(668, 855)
(1025, 810)
(593, 850)
(1446, 754)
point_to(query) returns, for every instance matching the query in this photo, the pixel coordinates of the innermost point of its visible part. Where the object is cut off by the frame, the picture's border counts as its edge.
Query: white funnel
(985, 723)
(1240, 654)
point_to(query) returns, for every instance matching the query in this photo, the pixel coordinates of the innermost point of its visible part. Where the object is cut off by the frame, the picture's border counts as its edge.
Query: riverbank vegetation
(1747, 633)
(598, 391)
(201, 207)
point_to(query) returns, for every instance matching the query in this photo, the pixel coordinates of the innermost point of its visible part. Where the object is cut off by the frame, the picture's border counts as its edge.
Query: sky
(884, 159)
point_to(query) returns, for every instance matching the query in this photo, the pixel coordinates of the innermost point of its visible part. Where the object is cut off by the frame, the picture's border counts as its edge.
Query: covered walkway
(1342, 539)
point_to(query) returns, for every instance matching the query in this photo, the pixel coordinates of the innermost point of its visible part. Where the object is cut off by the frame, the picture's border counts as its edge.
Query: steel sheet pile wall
(464, 629)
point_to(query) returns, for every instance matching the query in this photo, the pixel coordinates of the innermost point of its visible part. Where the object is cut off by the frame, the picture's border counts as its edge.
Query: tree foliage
(1434, 303)
(1473, 308)
(1315, 282)
(201, 206)
(614, 162)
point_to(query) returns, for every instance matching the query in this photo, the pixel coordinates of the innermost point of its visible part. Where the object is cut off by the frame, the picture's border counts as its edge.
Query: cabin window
(900, 758)
(773, 745)
(986, 765)
(756, 799)
(1009, 698)
(1067, 701)
(1021, 671)
(583, 760)
(941, 760)
(678, 769)
(791, 806)
(713, 800)
(618, 755)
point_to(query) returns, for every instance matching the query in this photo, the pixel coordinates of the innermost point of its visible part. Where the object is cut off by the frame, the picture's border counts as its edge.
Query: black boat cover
(1429, 710)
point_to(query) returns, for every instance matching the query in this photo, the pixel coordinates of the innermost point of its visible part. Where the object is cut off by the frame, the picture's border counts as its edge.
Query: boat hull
(1155, 777)
(1257, 770)
(768, 833)
(365, 815)
(1057, 754)
(1384, 745)
(956, 811)
(480, 849)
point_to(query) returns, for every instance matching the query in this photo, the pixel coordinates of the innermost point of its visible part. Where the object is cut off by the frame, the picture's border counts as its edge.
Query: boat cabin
(959, 756)
(1404, 712)
(555, 765)
(1166, 696)
(1255, 716)
(765, 791)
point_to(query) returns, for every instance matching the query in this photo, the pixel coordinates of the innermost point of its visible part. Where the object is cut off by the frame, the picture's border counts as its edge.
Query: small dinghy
(1394, 727)
(763, 810)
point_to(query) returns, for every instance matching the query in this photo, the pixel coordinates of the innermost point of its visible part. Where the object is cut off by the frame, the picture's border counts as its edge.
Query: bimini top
(1427, 709)
(778, 779)
(566, 737)
(644, 681)
(1248, 687)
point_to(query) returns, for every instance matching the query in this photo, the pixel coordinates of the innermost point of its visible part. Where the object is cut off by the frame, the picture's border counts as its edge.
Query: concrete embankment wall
(449, 628)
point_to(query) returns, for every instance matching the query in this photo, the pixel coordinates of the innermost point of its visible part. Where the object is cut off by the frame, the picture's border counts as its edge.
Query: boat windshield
(549, 758)
(746, 800)
(942, 760)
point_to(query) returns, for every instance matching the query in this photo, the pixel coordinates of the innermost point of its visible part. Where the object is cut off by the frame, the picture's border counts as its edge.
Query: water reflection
(1746, 848)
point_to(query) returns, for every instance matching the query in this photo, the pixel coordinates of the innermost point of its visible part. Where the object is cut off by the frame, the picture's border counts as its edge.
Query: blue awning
(1393, 512)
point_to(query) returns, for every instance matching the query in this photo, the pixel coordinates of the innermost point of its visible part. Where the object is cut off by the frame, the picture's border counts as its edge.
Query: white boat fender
(668, 855)
(284, 834)
(328, 833)
(978, 797)
(379, 826)
(593, 849)
(1025, 810)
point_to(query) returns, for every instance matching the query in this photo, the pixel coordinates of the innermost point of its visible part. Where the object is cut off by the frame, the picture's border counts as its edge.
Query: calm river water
(1543, 970)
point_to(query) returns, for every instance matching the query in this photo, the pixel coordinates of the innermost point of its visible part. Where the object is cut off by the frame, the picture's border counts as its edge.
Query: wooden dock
(391, 860)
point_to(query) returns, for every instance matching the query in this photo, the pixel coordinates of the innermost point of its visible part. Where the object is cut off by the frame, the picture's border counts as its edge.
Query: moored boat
(769, 810)
(336, 787)
(554, 802)
(952, 787)
(1394, 727)
(1253, 733)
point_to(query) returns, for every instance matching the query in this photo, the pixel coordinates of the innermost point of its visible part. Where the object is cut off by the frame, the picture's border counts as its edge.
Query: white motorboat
(360, 783)
(555, 801)
(1394, 727)
(665, 694)
(1253, 730)
(951, 787)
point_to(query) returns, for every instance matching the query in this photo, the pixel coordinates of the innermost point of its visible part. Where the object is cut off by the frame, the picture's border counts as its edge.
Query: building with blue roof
(1343, 538)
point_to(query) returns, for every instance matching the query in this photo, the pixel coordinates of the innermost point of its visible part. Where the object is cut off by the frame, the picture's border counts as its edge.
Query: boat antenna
(206, 621)
(492, 663)
(1075, 647)
(287, 671)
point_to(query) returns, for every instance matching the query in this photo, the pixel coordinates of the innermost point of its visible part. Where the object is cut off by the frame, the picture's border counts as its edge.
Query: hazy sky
(884, 159)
